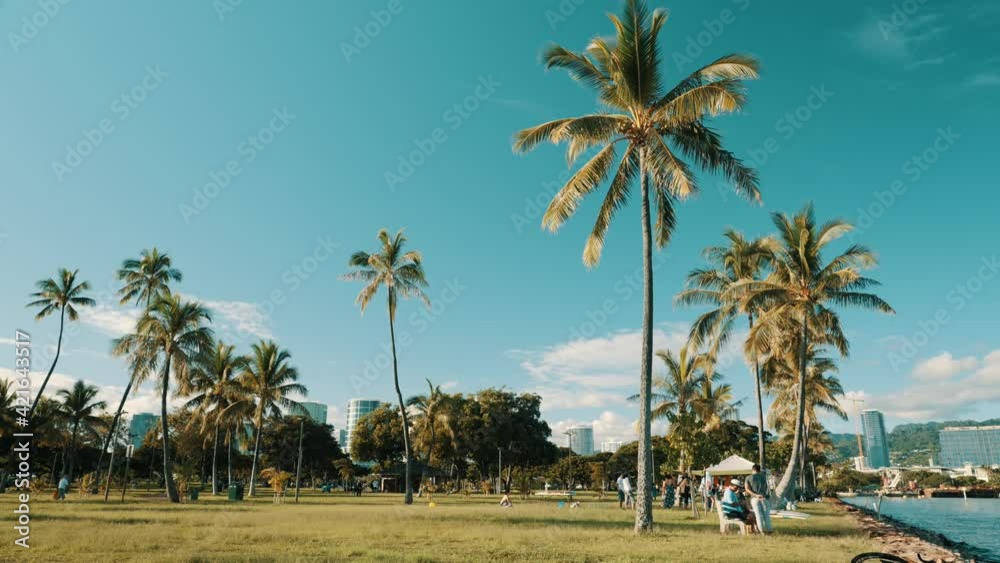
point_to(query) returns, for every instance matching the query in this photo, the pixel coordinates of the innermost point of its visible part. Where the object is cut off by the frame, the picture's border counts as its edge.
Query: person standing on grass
(621, 491)
(627, 488)
(684, 492)
(63, 487)
(758, 489)
(669, 492)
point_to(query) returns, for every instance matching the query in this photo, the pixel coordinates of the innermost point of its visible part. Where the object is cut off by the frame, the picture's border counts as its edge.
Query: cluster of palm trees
(645, 132)
(173, 343)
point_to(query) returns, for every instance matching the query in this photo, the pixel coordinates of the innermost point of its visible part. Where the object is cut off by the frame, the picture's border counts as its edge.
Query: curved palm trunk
(215, 456)
(229, 458)
(402, 409)
(114, 426)
(72, 450)
(256, 452)
(788, 479)
(760, 407)
(644, 502)
(52, 368)
(805, 456)
(168, 464)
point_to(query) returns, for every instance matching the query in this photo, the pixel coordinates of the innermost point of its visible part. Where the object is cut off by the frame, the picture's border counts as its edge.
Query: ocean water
(975, 522)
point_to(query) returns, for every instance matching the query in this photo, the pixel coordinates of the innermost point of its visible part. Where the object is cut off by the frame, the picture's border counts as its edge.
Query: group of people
(676, 490)
(748, 502)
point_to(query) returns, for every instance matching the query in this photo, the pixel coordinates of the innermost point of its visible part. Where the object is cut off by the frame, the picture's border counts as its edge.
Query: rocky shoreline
(903, 540)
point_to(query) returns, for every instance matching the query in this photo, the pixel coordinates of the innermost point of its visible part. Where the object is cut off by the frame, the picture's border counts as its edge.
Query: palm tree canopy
(401, 272)
(170, 327)
(61, 292)
(802, 283)
(212, 382)
(146, 278)
(645, 128)
(80, 405)
(268, 381)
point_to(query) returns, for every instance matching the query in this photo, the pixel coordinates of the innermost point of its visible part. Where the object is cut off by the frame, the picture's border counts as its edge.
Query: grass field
(379, 528)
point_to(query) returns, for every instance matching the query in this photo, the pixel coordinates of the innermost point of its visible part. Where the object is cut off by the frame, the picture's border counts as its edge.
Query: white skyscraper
(581, 440)
(357, 408)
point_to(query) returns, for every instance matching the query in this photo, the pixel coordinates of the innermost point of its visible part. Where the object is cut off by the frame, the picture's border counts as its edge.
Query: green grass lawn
(379, 528)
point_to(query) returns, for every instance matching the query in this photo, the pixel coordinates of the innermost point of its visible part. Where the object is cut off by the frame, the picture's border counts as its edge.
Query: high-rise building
(976, 445)
(611, 446)
(342, 440)
(875, 439)
(139, 427)
(581, 440)
(316, 411)
(357, 408)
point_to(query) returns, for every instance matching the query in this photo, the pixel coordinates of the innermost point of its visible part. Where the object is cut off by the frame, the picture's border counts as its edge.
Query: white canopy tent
(730, 467)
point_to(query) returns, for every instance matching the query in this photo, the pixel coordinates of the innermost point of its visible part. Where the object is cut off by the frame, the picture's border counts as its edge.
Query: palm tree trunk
(788, 479)
(256, 452)
(804, 457)
(168, 465)
(114, 424)
(402, 409)
(760, 406)
(72, 450)
(52, 368)
(215, 456)
(229, 459)
(644, 502)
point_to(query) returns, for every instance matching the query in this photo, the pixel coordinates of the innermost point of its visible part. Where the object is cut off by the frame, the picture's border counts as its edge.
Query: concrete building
(342, 440)
(970, 445)
(876, 441)
(611, 446)
(317, 411)
(356, 409)
(581, 440)
(140, 426)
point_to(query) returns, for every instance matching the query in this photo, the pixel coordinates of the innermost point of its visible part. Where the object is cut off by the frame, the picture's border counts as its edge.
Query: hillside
(909, 444)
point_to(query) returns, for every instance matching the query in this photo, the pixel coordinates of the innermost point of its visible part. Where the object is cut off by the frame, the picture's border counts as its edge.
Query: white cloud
(145, 398)
(943, 366)
(109, 320)
(233, 319)
(879, 36)
(7, 341)
(937, 399)
(608, 426)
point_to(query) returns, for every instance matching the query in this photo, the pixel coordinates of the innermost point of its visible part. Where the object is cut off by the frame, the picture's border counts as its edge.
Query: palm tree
(821, 391)
(798, 295)
(402, 274)
(432, 410)
(214, 387)
(655, 128)
(267, 382)
(62, 293)
(169, 335)
(142, 281)
(8, 401)
(739, 260)
(678, 396)
(80, 407)
(715, 403)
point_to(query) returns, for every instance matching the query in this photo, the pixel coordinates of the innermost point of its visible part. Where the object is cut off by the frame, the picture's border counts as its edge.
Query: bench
(726, 523)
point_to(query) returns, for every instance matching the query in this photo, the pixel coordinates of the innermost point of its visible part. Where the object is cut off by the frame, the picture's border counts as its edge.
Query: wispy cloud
(890, 38)
(943, 366)
(987, 78)
(235, 318)
(109, 320)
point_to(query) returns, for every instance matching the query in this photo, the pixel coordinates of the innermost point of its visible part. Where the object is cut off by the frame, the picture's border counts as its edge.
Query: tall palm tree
(431, 411)
(80, 407)
(402, 274)
(142, 281)
(799, 295)
(740, 259)
(267, 382)
(64, 294)
(167, 338)
(654, 128)
(715, 402)
(821, 391)
(8, 401)
(213, 385)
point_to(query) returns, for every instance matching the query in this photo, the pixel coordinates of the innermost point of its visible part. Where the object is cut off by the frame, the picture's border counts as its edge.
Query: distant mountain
(909, 444)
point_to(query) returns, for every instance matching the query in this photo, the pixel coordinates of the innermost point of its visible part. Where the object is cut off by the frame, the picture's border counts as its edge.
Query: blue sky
(260, 144)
